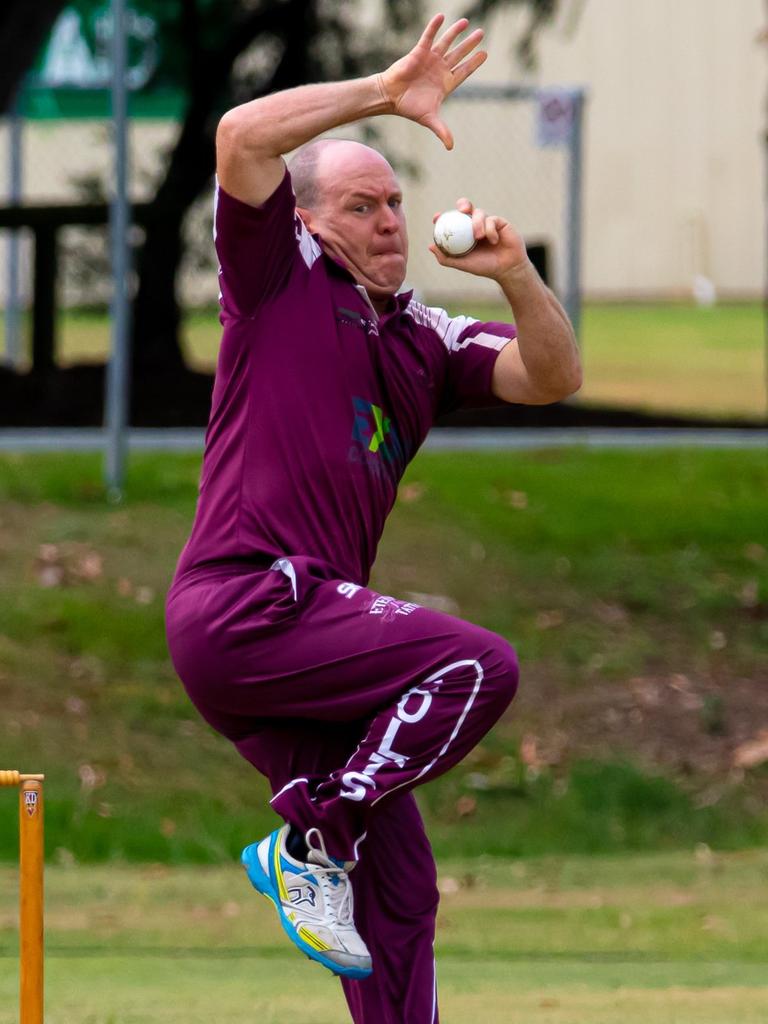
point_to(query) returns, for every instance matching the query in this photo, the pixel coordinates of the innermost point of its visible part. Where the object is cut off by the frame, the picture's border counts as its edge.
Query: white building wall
(674, 150)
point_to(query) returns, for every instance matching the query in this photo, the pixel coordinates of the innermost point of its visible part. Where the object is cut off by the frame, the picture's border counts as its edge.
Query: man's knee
(500, 669)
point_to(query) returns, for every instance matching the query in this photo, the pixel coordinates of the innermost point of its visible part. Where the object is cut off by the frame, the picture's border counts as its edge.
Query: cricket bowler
(329, 378)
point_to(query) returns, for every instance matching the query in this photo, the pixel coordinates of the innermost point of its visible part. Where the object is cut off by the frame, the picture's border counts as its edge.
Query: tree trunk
(156, 312)
(23, 28)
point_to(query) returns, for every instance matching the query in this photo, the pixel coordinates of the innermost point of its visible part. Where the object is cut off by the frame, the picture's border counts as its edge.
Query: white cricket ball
(453, 233)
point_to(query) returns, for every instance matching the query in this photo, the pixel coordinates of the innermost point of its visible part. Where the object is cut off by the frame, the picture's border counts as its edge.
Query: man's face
(360, 217)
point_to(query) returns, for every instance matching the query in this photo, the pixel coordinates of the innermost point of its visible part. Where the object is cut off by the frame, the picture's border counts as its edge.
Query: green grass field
(673, 938)
(677, 358)
(634, 585)
(583, 847)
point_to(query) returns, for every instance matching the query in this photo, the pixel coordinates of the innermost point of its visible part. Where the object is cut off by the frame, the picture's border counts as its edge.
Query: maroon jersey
(319, 402)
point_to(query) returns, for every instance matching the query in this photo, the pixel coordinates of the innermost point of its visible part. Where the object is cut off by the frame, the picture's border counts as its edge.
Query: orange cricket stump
(30, 893)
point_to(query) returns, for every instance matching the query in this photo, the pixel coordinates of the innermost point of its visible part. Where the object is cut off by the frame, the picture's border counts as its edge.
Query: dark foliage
(23, 28)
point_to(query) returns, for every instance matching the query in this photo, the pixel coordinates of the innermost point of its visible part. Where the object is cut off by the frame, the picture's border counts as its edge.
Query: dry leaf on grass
(465, 806)
(753, 753)
(550, 619)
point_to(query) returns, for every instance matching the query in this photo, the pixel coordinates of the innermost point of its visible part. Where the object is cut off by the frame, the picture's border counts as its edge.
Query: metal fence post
(15, 176)
(572, 295)
(118, 370)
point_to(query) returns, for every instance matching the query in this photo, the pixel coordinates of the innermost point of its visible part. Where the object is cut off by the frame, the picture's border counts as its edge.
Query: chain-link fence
(518, 154)
(498, 161)
(69, 163)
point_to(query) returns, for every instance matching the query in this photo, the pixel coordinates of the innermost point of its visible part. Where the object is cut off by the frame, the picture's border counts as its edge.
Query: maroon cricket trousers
(346, 699)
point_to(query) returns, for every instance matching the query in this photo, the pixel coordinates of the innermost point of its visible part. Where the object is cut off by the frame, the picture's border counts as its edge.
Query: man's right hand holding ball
(498, 251)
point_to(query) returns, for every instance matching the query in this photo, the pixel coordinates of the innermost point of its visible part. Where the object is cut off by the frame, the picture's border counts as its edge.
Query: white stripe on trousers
(437, 678)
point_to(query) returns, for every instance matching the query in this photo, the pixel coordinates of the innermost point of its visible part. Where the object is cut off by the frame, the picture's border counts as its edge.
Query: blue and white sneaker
(313, 900)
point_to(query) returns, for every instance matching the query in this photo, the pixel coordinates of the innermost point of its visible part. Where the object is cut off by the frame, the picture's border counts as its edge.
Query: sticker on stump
(30, 801)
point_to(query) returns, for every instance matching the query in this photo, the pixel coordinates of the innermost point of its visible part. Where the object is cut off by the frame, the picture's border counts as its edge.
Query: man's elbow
(230, 130)
(239, 131)
(563, 387)
(227, 127)
(573, 383)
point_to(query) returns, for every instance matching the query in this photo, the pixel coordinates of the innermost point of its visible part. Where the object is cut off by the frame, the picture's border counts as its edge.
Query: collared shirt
(319, 403)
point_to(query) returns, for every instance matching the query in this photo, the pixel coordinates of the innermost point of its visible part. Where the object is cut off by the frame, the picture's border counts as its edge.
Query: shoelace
(337, 894)
(333, 880)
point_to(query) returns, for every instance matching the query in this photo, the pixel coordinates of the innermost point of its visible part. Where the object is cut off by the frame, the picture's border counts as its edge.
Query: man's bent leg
(430, 686)
(415, 737)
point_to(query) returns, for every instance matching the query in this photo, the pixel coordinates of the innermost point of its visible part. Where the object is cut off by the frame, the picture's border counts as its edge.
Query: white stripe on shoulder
(495, 341)
(308, 247)
(215, 205)
(449, 329)
(220, 272)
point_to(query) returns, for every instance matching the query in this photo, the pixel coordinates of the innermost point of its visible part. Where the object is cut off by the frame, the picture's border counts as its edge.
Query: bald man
(328, 380)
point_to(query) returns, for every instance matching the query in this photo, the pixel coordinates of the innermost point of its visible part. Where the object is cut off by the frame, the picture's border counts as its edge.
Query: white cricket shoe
(313, 900)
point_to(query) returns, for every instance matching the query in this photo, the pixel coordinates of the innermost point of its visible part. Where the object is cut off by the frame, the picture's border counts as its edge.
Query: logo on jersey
(352, 318)
(375, 439)
(389, 607)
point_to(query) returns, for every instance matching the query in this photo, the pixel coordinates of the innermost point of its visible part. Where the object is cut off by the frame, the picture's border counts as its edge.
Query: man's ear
(306, 216)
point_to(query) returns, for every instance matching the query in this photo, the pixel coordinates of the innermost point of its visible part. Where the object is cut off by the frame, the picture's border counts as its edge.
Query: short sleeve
(473, 347)
(470, 349)
(257, 247)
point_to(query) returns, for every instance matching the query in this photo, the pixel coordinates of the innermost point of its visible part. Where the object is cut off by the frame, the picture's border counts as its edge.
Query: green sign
(72, 76)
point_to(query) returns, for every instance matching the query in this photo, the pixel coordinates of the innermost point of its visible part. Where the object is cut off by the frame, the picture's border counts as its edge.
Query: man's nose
(388, 220)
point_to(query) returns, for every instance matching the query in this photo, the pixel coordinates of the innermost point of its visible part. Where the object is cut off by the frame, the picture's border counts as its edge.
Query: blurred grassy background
(635, 586)
(671, 358)
(673, 938)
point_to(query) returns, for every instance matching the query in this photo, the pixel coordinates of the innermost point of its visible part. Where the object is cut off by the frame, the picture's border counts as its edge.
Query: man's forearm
(274, 125)
(253, 138)
(413, 86)
(546, 342)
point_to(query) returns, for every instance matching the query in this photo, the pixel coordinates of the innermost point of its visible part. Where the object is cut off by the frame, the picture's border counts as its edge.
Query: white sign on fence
(555, 116)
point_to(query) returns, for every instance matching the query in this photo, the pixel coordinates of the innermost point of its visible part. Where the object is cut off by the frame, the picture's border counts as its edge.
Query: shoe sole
(262, 883)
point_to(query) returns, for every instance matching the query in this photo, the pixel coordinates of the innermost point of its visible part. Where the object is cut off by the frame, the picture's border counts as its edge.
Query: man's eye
(395, 202)
(362, 208)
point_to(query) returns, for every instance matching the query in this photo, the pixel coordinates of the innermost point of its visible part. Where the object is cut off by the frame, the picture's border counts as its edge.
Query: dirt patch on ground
(698, 728)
